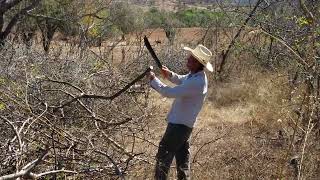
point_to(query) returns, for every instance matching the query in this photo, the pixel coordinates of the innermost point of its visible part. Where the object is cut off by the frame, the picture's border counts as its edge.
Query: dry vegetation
(60, 120)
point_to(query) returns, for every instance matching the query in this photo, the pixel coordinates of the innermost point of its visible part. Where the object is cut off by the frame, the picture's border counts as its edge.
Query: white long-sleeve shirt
(189, 95)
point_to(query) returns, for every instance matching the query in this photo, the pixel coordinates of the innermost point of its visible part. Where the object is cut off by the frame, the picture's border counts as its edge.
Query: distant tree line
(94, 22)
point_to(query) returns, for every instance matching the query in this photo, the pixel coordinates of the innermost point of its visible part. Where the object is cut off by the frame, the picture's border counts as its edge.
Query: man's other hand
(165, 72)
(151, 75)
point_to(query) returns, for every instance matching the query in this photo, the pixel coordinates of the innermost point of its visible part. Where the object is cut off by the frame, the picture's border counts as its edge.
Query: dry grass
(242, 132)
(237, 132)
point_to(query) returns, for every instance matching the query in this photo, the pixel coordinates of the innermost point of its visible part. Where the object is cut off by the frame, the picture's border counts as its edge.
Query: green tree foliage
(116, 19)
(125, 18)
(194, 17)
(12, 12)
(52, 16)
(154, 18)
(198, 17)
(185, 18)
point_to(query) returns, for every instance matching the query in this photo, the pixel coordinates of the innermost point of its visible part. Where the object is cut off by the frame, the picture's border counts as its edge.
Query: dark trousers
(174, 143)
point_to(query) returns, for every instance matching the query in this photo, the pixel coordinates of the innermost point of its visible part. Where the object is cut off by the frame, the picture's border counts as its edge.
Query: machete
(153, 54)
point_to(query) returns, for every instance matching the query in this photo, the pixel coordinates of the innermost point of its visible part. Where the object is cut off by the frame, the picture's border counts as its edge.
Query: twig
(295, 129)
(117, 145)
(309, 129)
(301, 60)
(63, 82)
(16, 17)
(52, 172)
(226, 53)
(25, 132)
(54, 152)
(26, 170)
(93, 115)
(306, 10)
(89, 96)
(15, 130)
(13, 139)
(114, 143)
(207, 143)
(117, 169)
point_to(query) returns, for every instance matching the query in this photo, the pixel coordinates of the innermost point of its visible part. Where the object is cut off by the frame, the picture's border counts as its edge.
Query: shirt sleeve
(176, 78)
(188, 88)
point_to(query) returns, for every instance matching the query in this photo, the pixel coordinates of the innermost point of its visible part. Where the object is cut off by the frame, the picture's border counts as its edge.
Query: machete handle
(164, 73)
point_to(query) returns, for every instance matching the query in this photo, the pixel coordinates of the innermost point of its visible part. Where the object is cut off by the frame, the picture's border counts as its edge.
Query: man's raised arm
(172, 76)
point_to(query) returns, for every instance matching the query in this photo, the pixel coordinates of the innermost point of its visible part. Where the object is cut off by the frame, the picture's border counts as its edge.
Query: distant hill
(176, 4)
(242, 2)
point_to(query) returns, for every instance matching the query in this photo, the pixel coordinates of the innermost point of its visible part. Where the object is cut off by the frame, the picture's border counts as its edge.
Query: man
(189, 96)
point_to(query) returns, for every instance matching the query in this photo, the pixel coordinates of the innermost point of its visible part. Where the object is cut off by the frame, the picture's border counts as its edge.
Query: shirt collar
(196, 74)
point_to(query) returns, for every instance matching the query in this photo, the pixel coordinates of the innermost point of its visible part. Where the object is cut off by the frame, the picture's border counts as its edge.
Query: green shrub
(198, 17)
(184, 18)
(154, 18)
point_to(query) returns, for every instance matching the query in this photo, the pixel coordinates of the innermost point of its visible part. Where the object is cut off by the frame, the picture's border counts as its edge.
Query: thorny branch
(89, 96)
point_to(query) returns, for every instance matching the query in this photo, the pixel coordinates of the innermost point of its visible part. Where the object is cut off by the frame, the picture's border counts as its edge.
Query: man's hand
(151, 75)
(166, 73)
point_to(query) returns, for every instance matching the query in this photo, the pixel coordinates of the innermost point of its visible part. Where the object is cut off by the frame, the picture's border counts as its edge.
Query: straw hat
(202, 54)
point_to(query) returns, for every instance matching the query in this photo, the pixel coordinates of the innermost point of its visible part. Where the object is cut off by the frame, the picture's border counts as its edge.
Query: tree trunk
(1, 40)
(225, 54)
(1, 26)
(5, 7)
(1, 21)
(48, 30)
(46, 41)
(318, 109)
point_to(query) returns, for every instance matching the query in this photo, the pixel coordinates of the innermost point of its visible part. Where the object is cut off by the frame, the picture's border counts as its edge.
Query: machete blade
(153, 54)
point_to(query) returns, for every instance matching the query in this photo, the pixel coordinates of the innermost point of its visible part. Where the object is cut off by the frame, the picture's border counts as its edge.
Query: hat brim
(187, 49)
(208, 65)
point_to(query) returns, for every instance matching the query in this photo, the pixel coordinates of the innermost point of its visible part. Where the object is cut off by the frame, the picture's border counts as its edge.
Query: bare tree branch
(52, 172)
(306, 10)
(14, 20)
(88, 96)
(226, 53)
(1, 22)
(25, 171)
(66, 83)
(7, 5)
(15, 130)
(300, 59)
(117, 169)
(93, 115)
(209, 142)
